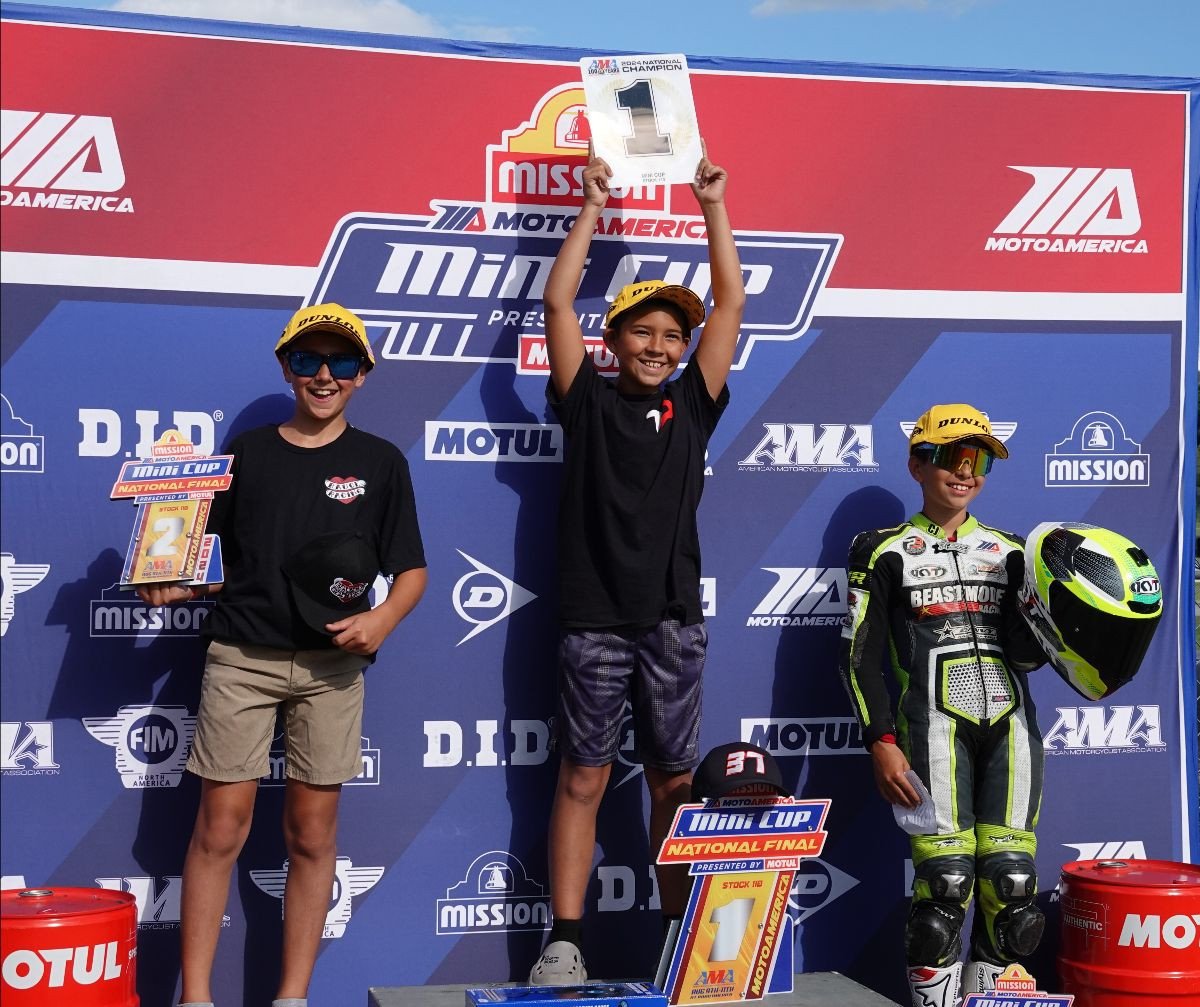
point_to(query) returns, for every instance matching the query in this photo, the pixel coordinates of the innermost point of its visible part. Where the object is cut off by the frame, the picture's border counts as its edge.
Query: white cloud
(387, 17)
(767, 8)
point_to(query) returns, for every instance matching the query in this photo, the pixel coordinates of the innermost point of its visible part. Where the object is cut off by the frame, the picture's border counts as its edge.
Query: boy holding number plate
(629, 552)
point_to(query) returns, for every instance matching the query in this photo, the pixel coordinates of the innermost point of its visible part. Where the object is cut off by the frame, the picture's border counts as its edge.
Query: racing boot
(934, 987)
(980, 977)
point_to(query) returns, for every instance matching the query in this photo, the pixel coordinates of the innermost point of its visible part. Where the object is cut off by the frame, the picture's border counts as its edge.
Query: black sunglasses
(307, 363)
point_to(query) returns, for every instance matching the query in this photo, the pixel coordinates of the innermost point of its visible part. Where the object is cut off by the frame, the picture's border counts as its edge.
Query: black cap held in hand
(331, 577)
(731, 767)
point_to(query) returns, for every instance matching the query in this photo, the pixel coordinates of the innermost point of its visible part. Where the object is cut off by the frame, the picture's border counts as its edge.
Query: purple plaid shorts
(657, 670)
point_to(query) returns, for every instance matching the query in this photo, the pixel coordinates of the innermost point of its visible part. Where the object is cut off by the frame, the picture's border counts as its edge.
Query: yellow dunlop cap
(633, 294)
(327, 318)
(955, 422)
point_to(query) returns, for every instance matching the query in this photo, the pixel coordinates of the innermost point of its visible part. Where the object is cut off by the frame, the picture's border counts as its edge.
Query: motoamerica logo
(62, 161)
(465, 283)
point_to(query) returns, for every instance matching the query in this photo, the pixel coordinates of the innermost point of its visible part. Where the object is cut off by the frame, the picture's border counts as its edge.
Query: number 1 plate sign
(642, 118)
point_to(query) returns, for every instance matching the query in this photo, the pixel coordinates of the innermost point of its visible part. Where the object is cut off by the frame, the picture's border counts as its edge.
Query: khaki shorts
(318, 692)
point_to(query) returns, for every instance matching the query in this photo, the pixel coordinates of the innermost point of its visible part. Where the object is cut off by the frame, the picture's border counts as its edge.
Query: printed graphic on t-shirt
(344, 489)
(661, 416)
(347, 591)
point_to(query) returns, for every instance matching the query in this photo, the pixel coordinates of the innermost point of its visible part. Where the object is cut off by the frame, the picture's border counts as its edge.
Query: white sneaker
(561, 964)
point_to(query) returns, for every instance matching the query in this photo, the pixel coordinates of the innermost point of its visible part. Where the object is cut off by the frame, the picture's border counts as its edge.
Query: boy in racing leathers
(939, 593)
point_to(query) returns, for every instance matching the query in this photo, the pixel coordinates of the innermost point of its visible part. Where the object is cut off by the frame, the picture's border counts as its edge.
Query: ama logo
(157, 899)
(62, 161)
(797, 447)
(1096, 730)
(27, 748)
(151, 743)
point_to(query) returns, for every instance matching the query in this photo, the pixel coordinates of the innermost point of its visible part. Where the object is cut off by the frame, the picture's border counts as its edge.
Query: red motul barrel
(68, 947)
(1130, 933)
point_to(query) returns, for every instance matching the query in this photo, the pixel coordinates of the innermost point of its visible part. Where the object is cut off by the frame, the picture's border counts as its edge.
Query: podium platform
(812, 989)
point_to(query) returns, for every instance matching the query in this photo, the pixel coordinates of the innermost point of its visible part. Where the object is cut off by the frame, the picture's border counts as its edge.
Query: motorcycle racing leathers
(944, 609)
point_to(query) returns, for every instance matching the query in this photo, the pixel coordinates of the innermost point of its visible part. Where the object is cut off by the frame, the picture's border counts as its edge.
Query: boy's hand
(595, 179)
(155, 595)
(890, 765)
(709, 186)
(361, 633)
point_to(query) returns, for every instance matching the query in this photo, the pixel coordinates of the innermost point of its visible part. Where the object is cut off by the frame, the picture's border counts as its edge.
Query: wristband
(887, 738)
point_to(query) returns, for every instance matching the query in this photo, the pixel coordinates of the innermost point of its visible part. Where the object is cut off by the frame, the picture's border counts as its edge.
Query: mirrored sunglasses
(952, 457)
(306, 364)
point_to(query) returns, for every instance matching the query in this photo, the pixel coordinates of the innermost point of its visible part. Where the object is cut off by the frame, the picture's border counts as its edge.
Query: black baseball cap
(331, 577)
(730, 767)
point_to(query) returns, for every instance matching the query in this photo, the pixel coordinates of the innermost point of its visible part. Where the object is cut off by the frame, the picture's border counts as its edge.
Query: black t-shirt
(282, 497)
(628, 546)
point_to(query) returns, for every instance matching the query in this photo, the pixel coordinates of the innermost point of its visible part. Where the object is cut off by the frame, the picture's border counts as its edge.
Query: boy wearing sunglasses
(316, 512)
(962, 754)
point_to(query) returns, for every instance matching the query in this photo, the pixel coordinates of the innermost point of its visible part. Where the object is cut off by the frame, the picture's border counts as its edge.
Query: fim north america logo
(495, 895)
(1097, 453)
(151, 743)
(348, 881)
(16, 578)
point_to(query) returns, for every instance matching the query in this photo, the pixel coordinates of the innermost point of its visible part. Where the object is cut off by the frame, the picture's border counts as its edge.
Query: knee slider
(932, 934)
(942, 887)
(1018, 923)
(1019, 930)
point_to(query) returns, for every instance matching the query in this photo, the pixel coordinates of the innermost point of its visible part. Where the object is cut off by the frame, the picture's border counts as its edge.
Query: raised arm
(718, 341)
(564, 337)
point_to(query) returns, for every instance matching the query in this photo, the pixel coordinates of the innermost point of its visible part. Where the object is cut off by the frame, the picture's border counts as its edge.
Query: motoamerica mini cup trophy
(174, 489)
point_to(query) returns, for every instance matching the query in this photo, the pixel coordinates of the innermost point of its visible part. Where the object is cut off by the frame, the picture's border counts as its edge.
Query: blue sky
(1147, 37)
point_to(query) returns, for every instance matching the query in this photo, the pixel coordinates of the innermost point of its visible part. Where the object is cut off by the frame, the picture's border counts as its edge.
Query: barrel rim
(66, 901)
(1136, 873)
